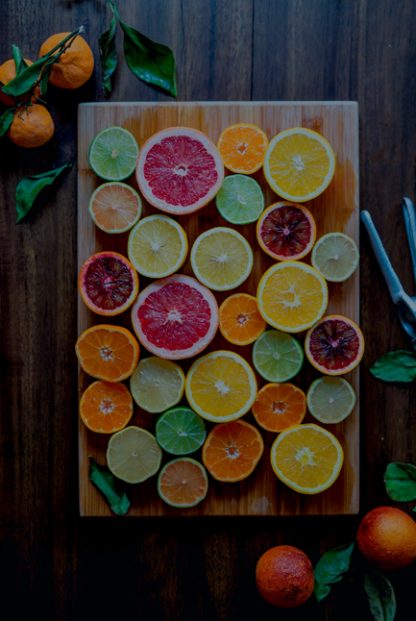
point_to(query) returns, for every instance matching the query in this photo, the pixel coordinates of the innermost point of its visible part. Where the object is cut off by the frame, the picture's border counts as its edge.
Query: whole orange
(284, 576)
(387, 538)
(32, 126)
(7, 73)
(75, 65)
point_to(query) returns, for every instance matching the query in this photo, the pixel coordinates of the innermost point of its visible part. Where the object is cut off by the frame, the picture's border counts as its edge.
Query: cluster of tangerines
(176, 316)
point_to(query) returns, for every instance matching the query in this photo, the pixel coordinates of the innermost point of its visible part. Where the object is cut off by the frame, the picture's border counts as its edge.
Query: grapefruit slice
(179, 170)
(175, 317)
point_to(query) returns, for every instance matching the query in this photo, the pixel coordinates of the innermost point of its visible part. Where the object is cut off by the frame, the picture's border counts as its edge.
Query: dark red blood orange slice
(286, 231)
(108, 283)
(175, 317)
(335, 345)
(179, 170)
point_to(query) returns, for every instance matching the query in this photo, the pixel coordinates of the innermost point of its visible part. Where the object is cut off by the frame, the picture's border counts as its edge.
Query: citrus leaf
(331, 568)
(400, 481)
(108, 55)
(6, 119)
(102, 478)
(19, 61)
(381, 597)
(29, 188)
(395, 366)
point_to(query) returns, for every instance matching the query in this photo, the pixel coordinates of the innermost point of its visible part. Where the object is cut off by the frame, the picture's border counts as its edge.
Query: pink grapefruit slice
(175, 317)
(179, 170)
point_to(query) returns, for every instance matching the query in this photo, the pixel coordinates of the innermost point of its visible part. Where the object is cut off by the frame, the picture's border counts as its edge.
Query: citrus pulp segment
(240, 320)
(240, 199)
(157, 384)
(180, 431)
(286, 231)
(232, 450)
(336, 256)
(107, 352)
(220, 386)
(335, 345)
(106, 407)
(113, 154)
(108, 283)
(292, 296)
(179, 170)
(221, 258)
(307, 458)
(242, 147)
(157, 246)
(133, 455)
(330, 399)
(175, 317)
(115, 207)
(277, 356)
(279, 406)
(299, 164)
(182, 482)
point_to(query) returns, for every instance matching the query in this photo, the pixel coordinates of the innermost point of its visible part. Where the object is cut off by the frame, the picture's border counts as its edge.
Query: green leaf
(400, 481)
(381, 597)
(6, 119)
(102, 478)
(331, 568)
(108, 56)
(29, 188)
(19, 61)
(395, 366)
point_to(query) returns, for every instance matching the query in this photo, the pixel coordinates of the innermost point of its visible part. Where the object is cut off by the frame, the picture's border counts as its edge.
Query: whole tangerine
(284, 576)
(32, 126)
(386, 537)
(8, 73)
(75, 65)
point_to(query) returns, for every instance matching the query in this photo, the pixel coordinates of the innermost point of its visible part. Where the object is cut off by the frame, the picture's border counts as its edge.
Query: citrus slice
(286, 231)
(157, 384)
(336, 256)
(175, 317)
(179, 170)
(107, 352)
(115, 207)
(335, 345)
(330, 399)
(242, 147)
(299, 164)
(182, 483)
(221, 386)
(232, 451)
(157, 246)
(240, 320)
(106, 407)
(133, 455)
(240, 199)
(292, 296)
(277, 356)
(180, 431)
(113, 154)
(221, 258)
(307, 458)
(108, 283)
(279, 406)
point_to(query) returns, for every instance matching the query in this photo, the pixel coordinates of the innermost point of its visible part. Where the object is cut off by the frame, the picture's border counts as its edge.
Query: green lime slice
(240, 199)
(330, 399)
(336, 256)
(113, 154)
(157, 384)
(133, 455)
(180, 431)
(277, 356)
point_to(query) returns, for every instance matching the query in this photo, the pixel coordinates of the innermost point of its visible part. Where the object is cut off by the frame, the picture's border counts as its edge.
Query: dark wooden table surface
(57, 566)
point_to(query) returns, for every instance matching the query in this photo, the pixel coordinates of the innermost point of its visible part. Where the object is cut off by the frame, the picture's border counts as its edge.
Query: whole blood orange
(387, 538)
(284, 576)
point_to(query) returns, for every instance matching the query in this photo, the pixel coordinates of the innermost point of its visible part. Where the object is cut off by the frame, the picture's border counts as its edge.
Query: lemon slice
(336, 256)
(133, 455)
(157, 384)
(330, 399)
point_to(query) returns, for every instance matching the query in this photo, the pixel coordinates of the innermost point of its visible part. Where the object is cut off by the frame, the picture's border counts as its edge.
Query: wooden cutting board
(336, 210)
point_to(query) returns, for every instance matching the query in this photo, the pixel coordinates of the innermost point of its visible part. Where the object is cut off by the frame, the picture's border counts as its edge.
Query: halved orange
(240, 320)
(232, 450)
(182, 482)
(106, 407)
(242, 147)
(279, 406)
(115, 207)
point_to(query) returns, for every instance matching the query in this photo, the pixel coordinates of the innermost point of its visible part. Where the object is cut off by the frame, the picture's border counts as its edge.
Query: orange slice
(182, 482)
(242, 147)
(115, 207)
(240, 320)
(106, 407)
(279, 406)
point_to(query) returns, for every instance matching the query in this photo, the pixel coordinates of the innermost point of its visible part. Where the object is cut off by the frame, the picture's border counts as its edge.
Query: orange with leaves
(32, 126)
(74, 67)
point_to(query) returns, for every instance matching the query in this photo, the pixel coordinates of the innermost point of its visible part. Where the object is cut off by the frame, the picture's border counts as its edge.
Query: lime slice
(113, 154)
(157, 384)
(182, 482)
(277, 356)
(133, 455)
(240, 199)
(330, 399)
(336, 256)
(180, 431)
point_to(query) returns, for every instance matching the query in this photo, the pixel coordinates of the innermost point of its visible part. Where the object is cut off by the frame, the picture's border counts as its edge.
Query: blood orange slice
(175, 317)
(179, 170)
(108, 283)
(335, 345)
